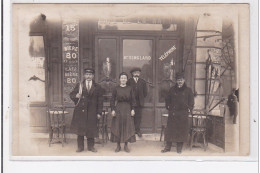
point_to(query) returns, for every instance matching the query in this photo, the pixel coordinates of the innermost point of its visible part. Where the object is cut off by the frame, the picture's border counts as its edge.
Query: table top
(165, 115)
(58, 112)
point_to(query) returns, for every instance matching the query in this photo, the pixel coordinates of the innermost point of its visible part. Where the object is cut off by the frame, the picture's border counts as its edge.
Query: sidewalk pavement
(148, 145)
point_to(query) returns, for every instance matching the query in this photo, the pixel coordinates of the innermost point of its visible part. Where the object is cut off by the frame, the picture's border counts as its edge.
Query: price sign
(70, 57)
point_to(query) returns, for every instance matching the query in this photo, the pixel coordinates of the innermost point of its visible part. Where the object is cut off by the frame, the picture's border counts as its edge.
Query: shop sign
(141, 58)
(70, 57)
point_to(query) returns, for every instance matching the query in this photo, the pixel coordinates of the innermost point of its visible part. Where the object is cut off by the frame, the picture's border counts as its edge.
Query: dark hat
(89, 70)
(179, 75)
(135, 69)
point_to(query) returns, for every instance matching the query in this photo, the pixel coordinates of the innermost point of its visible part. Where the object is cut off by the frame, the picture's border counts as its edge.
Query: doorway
(158, 59)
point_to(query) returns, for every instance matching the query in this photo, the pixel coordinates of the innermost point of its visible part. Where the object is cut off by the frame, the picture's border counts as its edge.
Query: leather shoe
(118, 148)
(139, 134)
(126, 149)
(92, 149)
(79, 150)
(165, 150)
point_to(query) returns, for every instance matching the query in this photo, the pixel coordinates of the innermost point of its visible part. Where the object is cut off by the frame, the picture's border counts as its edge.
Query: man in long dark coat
(140, 90)
(179, 102)
(88, 99)
(233, 105)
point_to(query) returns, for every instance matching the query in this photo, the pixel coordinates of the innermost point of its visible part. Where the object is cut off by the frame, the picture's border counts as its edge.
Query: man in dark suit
(140, 90)
(88, 99)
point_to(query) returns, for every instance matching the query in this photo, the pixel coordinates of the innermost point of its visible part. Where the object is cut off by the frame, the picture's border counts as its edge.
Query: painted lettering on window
(167, 53)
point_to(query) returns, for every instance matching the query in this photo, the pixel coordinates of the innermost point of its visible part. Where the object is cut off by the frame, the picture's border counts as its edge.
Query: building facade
(200, 45)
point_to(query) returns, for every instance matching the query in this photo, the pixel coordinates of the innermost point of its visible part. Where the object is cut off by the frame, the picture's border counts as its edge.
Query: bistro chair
(57, 126)
(102, 127)
(199, 129)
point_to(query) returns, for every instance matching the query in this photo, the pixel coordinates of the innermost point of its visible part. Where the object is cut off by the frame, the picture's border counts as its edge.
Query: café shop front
(159, 46)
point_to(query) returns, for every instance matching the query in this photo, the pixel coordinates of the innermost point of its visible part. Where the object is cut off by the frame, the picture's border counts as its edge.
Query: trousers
(80, 141)
(138, 118)
(169, 145)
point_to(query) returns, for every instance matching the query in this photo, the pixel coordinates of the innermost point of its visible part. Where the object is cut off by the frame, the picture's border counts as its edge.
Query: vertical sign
(70, 57)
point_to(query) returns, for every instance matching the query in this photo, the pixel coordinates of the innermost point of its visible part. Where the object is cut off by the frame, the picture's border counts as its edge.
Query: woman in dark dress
(122, 106)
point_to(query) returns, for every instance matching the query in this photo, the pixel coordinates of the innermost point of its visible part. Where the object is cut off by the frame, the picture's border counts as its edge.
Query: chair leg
(189, 139)
(64, 132)
(62, 136)
(103, 134)
(204, 139)
(162, 131)
(192, 138)
(106, 133)
(50, 136)
(196, 136)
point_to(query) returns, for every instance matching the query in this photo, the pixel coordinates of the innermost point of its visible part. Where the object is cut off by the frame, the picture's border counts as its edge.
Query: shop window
(107, 65)
(166, 67)
(138, 53)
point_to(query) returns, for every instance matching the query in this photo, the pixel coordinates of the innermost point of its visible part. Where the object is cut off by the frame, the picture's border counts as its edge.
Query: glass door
(167, 64)
(106, 65)
(139, 52)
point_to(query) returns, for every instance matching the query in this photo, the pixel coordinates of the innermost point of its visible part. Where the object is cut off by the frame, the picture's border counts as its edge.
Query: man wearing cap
(140, 90)
(179, 102)
(88, 99)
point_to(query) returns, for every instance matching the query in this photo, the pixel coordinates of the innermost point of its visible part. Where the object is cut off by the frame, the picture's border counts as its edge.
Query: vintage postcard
(130, 80)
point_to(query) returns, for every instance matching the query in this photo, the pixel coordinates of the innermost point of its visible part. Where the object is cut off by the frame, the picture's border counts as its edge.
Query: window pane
(138, 53)
(36, 69)
(107, 64)
(166, 67)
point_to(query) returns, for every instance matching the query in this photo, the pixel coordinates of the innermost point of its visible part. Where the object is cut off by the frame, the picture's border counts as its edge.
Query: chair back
(164, 119)
(199, 120)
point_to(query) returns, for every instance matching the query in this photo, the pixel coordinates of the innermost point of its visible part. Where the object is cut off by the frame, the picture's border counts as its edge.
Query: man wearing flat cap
(88, 99)
(140, 90)
(179, 102)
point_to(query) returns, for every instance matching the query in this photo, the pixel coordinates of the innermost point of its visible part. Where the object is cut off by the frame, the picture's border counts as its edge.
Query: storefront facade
(160, 47)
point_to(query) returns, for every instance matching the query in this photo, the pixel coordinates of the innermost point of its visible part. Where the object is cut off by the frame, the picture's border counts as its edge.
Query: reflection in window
(107, 65)
(36, 69)
(138, 53)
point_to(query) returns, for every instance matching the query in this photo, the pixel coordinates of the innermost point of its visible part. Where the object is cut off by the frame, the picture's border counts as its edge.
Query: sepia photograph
(112, 80)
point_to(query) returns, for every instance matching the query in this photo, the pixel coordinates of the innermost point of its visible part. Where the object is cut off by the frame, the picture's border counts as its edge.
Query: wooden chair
(57, 124)
(199, 129)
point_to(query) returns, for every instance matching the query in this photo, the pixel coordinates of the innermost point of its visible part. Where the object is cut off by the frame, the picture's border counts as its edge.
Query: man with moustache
(179, 102)
(88, 99)
(140, 90)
